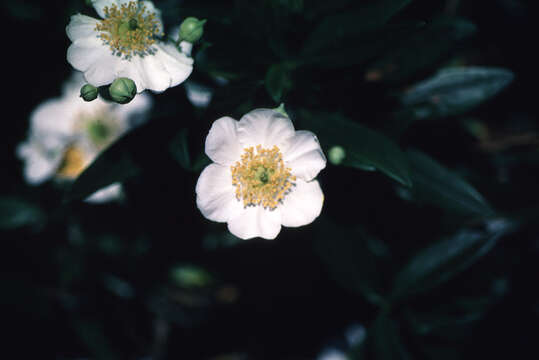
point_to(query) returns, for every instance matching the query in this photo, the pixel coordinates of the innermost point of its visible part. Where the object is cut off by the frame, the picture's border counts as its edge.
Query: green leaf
(179, 148)
(350, 260)
(443, 260)
(361, 49)
(278, 81)
(434, 41)
(386, 341)
(333, 29)
(434, 184)
(16, 213)
(453, 91)
(364, 148)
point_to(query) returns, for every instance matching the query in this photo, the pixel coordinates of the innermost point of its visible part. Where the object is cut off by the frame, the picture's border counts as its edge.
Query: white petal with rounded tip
(154, 74)
(303, 204)
(81, 26)
(178, 65)
(255, 221)
(265, 127)
(85, 52)
(222, 145)
(304, 155)
(215, 195)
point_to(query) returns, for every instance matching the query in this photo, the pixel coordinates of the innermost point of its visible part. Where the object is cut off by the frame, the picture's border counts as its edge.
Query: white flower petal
(154, 74)
(109, 193)
(199, 95)
(38, 167)
(133, 113)
(81, 26)
(84, 52)
(103, 70)
(265, 127)
(216, 199)
(255, 221)
(53, 116)
(304, 155)
(303, 204)
(178, 65)
(132, 69)
(222, 145)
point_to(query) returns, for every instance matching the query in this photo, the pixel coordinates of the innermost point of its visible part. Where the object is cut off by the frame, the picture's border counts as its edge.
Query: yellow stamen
(73, 163)
(261, 178)
(129, 30)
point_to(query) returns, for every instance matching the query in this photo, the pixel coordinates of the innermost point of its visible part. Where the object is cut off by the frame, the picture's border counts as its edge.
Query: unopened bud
(191, 29)
(122, 90)
(88, 92)
(336, 155)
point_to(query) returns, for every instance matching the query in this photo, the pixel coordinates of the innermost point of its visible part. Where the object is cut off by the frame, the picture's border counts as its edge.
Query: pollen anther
(129, 30)
(261, 177)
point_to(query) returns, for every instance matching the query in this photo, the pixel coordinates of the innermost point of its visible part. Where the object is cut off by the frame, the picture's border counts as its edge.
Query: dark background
(94, 281)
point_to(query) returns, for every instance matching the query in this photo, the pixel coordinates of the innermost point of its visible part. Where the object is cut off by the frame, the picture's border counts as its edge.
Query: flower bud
(336, 155)
(88, 92)
(122, 90)
(281, 110)
(191, 29)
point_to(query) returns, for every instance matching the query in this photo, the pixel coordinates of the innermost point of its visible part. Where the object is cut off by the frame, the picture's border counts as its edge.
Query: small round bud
(191, 29)
(88, 92)
(336, 155)
(122, 90)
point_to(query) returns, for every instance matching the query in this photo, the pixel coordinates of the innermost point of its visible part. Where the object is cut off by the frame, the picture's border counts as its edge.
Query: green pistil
(99, 132)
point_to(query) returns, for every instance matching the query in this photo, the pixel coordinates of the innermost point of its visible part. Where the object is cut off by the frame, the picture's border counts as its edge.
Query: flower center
(73, 163)
(129, 30)
(99, 132)
(261, 177)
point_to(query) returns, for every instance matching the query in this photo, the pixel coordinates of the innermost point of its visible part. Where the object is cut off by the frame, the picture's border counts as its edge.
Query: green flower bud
(191, 29)
(336, 155)
(189, 276)
(122, 90)
(88, 92)
(281, 110)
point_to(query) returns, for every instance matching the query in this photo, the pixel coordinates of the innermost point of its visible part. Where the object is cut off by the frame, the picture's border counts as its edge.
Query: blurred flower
(262, 176)
(67, 133)
(199, 95)
(124, 44)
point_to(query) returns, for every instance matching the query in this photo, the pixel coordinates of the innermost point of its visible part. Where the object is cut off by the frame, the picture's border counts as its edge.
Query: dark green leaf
(442, 261)
(353, 265)
(179, 148)
(16, 213)
(359, 50)
(453, 91)
(437, 185)
(433, 42)
(364, 148)
(386, 340)
(335, 28)
(278, 81)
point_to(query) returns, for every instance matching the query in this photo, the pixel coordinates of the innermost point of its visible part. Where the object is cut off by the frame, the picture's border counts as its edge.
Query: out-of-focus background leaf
(426, 247)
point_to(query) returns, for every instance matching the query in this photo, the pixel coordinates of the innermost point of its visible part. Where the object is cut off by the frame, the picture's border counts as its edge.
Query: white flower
(66, 134)
(262, 176)
(199, 95)
(124, 44)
